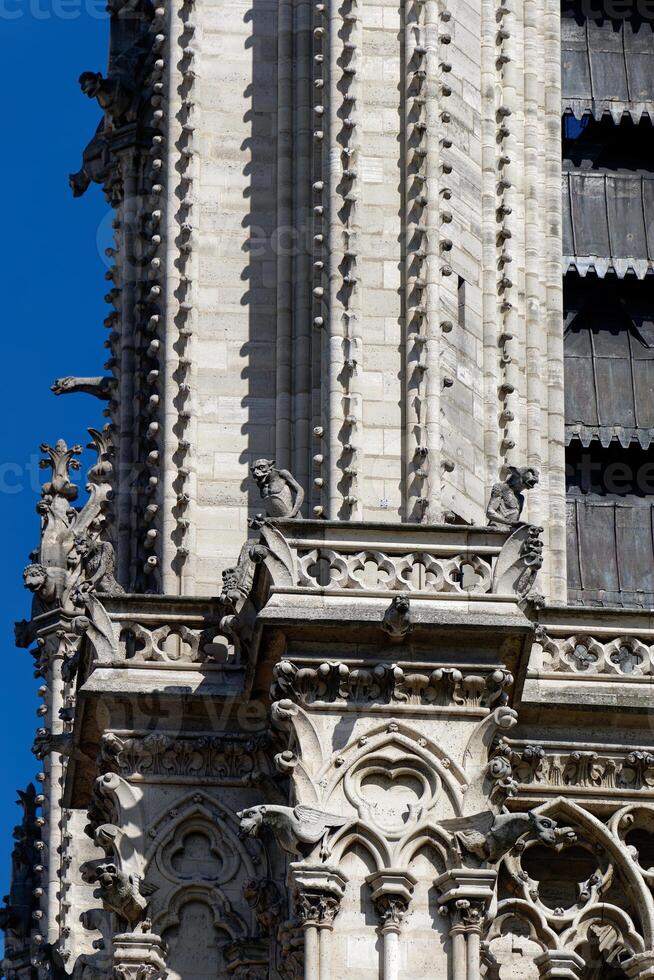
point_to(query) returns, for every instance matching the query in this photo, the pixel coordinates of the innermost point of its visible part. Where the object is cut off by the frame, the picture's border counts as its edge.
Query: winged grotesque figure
(291, 826)
(489, 836)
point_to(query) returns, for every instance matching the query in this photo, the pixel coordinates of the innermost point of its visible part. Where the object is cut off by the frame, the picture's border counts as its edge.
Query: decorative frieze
(518, 768)
(420, 571)
(389, 684)
(221, 758)
(583, 653)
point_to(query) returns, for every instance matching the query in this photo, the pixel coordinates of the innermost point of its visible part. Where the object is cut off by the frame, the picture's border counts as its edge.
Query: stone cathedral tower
(347, 652)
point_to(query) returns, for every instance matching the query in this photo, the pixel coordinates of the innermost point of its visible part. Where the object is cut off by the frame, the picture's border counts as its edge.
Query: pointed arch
(603, 913)
(360, 833)
(389, 733)
(621, 858)
(540, 932)
(429, 835)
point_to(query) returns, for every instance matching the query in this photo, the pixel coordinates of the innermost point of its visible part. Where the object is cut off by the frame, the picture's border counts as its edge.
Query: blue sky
(53, 270)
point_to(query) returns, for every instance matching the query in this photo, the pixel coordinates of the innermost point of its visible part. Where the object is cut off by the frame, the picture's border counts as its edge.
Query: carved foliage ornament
(387, 683)
(221, 756)
(582, 768)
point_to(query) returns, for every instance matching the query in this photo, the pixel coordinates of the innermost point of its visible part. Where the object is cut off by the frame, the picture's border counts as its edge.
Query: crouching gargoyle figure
(507, 499)
(397, 619)
(97, 564)
(291, 826)
(488, 836)
(124, 895)
(282, 494)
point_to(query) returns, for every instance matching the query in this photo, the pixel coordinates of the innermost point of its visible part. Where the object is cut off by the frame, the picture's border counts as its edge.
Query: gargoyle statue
(98, 387)
(282, 494)
(123, 894)
(488, 836)
(40, 583)
(263, 896)
(291, 826)
(507, 500)
(96, 163)
(97, 562)
(397, 618)
(112, 95)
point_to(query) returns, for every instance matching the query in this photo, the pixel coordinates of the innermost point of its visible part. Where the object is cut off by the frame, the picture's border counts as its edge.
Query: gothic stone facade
(332, 685)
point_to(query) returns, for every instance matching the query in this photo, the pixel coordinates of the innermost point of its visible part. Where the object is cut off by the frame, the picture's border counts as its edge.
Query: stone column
(317, 892)
(466, 894)
(640, 966)
(139, 956)
(559, 964)
(391, 893)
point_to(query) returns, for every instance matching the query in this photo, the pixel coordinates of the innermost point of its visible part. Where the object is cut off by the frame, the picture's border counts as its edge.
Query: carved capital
(317, 893)
(466, 895)
(139, 956)
(391, 893)
(560, 964)
(467, 915)
(316, 908)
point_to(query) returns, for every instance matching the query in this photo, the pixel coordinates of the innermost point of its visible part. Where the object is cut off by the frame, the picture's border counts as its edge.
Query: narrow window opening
(461, 299)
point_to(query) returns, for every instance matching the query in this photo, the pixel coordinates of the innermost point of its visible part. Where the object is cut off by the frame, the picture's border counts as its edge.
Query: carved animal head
(260, 891)
(230, 579)
(90, 82)
(545, 829)
(522, 478)
(35, 577)
(83, 545)
(401, 603)
(61, 385)
(261, 470)
(252, 821)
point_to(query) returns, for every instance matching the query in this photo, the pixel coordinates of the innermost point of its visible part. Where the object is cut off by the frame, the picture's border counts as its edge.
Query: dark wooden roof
(607, 66)
(608, 223)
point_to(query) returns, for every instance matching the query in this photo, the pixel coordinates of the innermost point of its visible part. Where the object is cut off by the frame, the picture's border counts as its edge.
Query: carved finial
(282, 494)
(102, 442)
(507, 500)
(60, 459)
